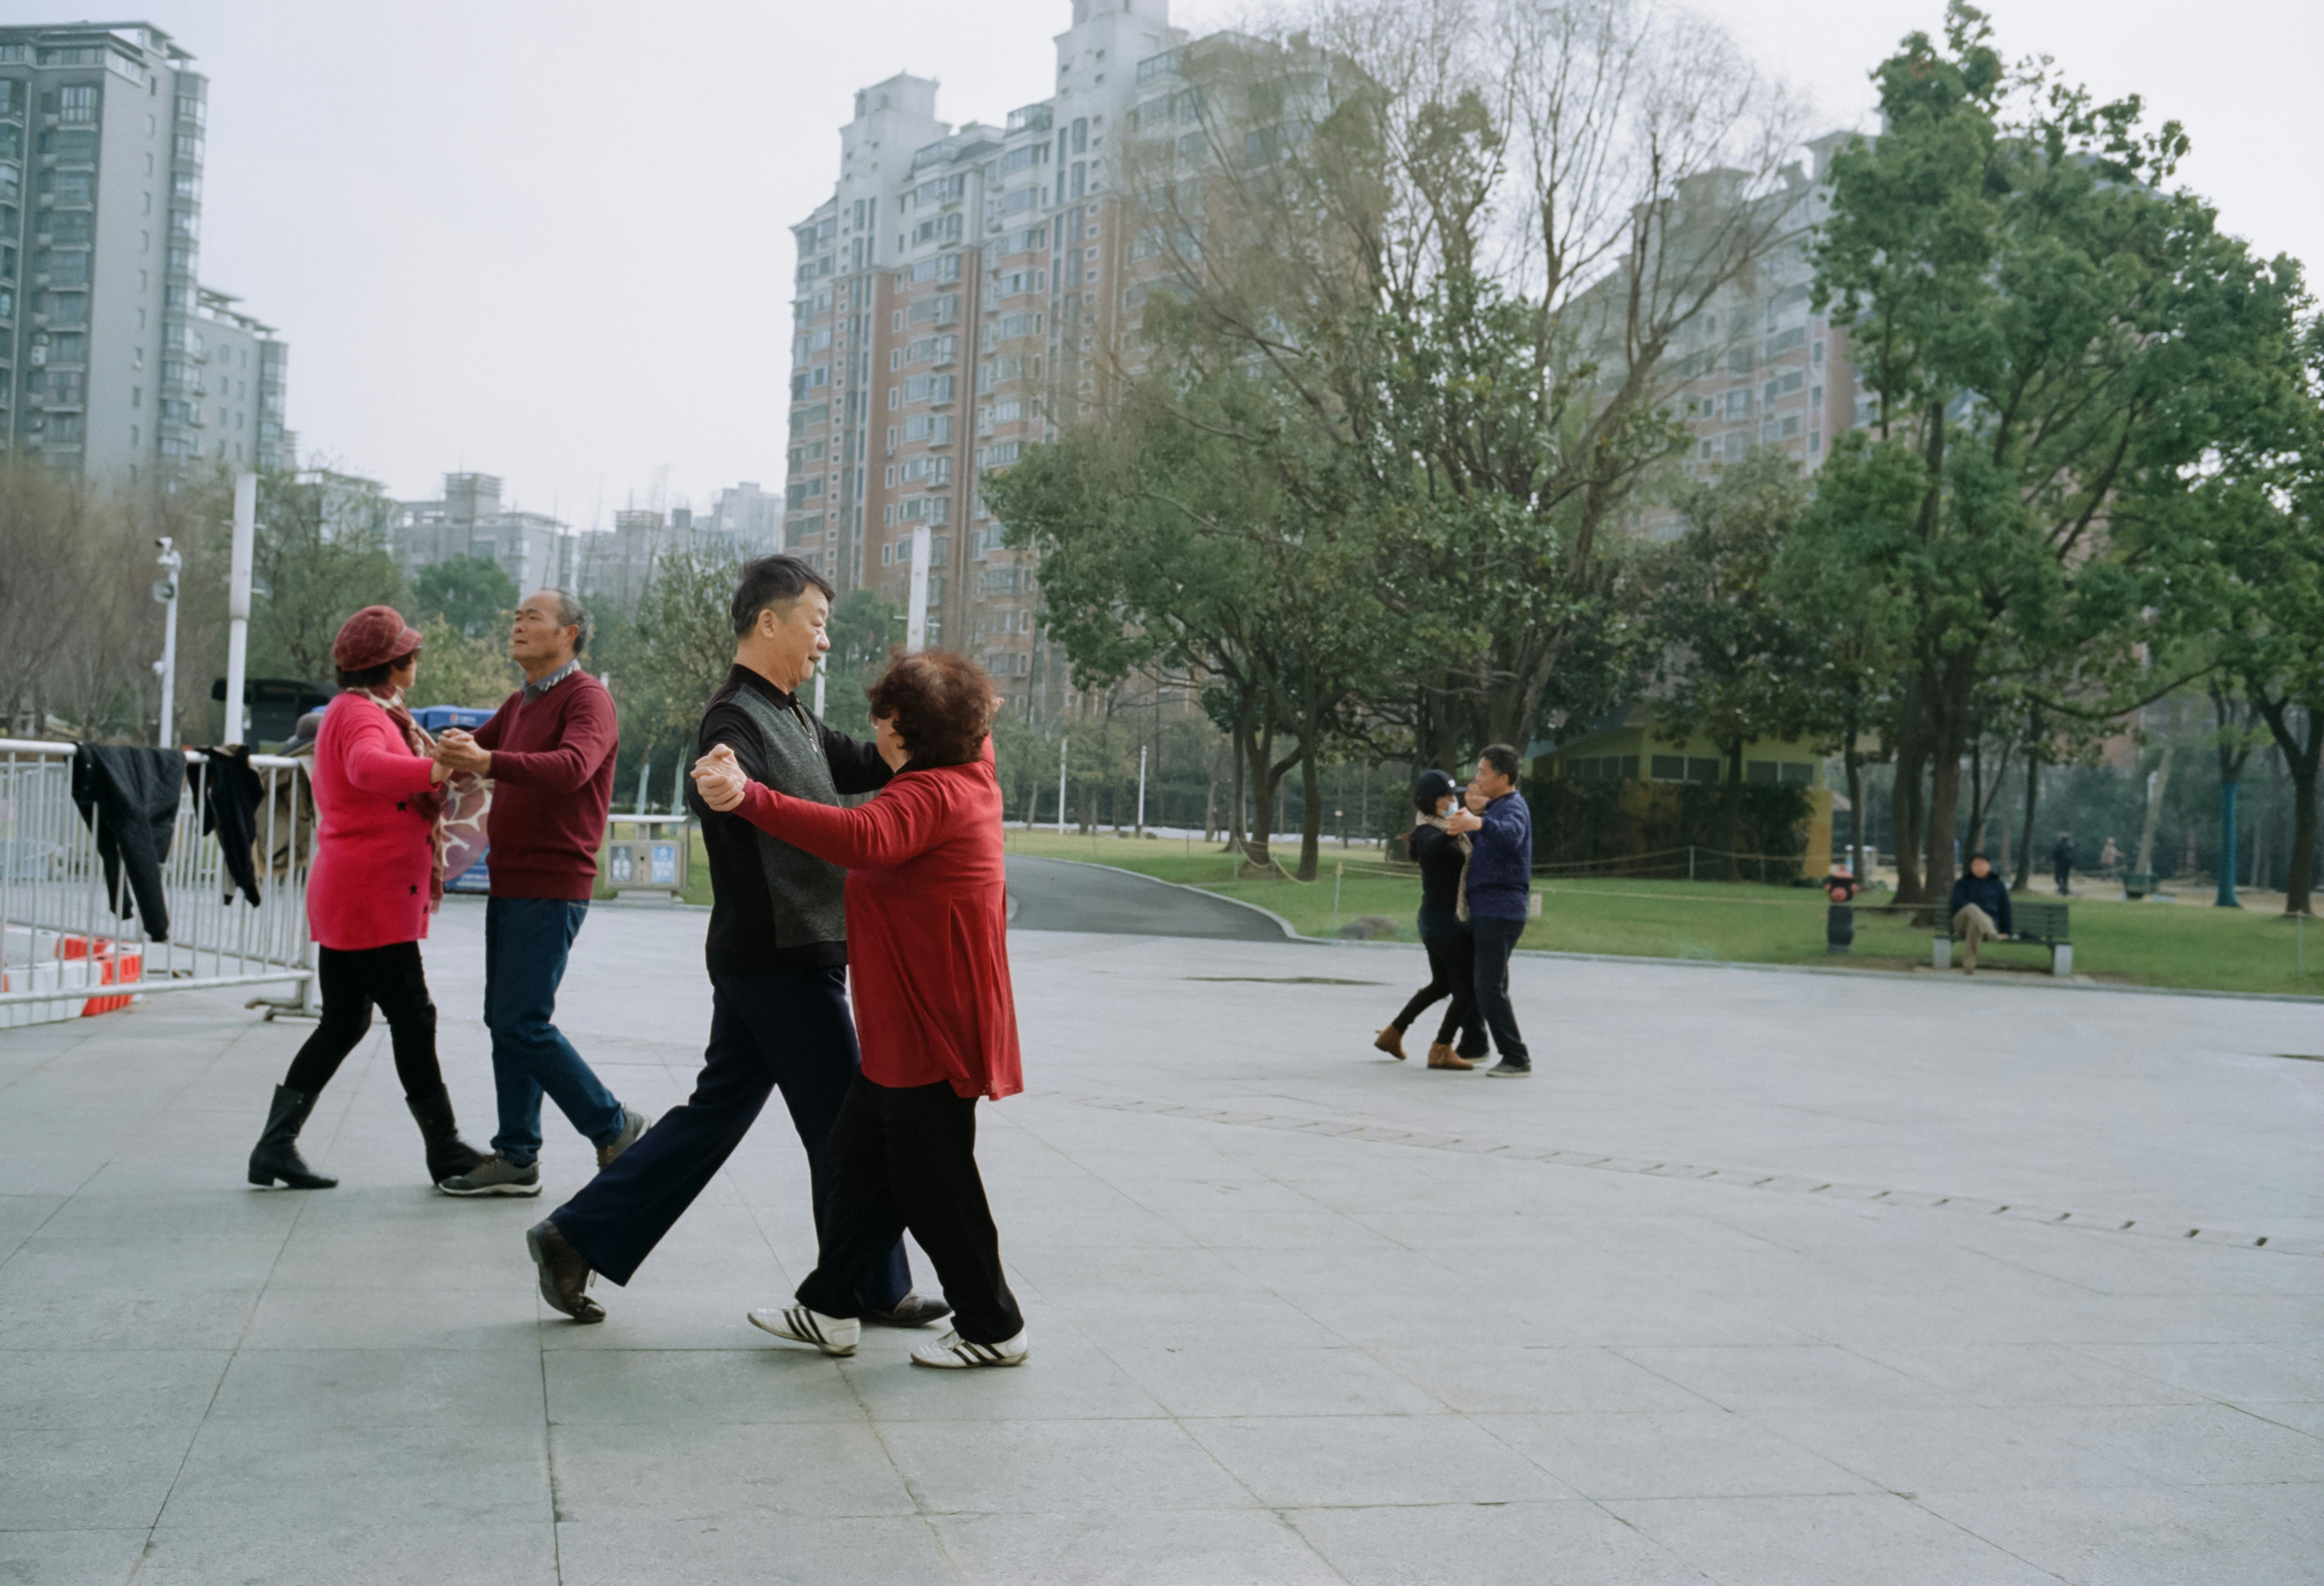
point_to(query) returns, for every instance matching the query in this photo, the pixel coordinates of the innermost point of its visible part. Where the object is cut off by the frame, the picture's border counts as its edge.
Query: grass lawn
(2183, 944)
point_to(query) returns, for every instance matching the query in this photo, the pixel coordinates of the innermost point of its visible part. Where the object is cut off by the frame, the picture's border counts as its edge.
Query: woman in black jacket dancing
(1443, 860)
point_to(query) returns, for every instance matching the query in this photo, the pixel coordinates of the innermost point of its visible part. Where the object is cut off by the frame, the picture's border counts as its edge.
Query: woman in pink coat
(377, 876)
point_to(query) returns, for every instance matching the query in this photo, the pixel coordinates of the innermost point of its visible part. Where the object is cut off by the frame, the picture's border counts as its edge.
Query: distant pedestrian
(1500, 880)
(378, 873)
(1980, 909)
(1445, 932)
(927, 960)
(2109, 857)
(2061, 860)
(549, 751)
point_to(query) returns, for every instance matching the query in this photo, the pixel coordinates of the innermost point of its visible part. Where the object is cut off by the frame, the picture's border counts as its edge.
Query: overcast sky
(548, 241)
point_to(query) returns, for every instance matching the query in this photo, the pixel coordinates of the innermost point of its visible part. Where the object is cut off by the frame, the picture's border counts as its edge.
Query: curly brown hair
(942, 703)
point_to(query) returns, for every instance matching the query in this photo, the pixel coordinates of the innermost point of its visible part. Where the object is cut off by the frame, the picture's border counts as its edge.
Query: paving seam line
(1917, 977)
(1776, 1183)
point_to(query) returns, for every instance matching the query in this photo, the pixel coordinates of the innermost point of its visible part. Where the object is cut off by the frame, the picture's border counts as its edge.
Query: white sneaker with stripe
(833, 1336)
(952, 1353)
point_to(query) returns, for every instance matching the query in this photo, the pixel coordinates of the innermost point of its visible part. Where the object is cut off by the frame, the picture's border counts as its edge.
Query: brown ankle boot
(1390, 1041)
(1440, 1055)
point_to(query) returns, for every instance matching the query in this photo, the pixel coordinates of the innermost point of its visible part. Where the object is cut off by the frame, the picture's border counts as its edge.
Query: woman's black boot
(277, 1155)
(449, 1156)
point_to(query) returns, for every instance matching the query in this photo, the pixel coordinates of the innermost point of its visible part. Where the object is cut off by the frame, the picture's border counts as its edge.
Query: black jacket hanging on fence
(129, 796)
(229, 794)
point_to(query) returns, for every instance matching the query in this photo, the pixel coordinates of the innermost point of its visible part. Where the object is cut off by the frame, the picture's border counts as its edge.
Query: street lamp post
(1063, 744)
(165, 590)
(237, 603)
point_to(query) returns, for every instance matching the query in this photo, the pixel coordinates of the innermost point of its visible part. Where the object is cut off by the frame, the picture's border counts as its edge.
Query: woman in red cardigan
(927, 965)
(377, 875)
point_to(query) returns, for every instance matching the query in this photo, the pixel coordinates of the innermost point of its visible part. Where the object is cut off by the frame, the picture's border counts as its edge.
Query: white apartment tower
(114, 360)
(950, 295)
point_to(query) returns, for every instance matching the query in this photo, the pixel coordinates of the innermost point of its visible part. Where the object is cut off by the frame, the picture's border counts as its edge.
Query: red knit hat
(372, 637)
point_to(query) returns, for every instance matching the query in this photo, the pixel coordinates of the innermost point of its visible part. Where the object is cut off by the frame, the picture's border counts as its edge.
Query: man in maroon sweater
(550, 752)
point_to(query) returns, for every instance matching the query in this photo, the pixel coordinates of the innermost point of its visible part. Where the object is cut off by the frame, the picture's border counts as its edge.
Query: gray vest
(809, 895)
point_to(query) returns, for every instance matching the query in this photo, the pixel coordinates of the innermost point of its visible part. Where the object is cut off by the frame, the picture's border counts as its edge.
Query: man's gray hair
(572, 614)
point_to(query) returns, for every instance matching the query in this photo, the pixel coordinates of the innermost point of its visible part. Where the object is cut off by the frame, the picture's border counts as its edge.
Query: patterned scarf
(1460, 903)
(434, 801)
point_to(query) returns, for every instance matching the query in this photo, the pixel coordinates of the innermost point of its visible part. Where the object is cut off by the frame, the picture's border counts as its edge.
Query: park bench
(2039, 923)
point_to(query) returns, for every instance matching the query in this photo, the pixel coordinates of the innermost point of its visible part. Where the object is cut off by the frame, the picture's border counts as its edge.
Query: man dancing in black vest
(777, 952)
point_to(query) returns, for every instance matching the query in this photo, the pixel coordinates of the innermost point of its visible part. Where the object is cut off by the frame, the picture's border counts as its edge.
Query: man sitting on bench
(1981, 908)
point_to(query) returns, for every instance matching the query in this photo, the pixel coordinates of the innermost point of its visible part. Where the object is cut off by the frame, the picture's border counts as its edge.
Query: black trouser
(2063, 872)
(906, 1157)
(353, 982)
(790, 1031)
(1453, 973)
(1495, 939)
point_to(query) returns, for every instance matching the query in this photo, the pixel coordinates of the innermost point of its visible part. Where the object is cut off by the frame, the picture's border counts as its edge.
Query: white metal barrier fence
(66, 943)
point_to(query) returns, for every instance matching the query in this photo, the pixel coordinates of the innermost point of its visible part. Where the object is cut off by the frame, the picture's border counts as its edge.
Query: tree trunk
(1239, 756)
(1735, 810)
(1852, 763)
(1949, 703)
(2227, 866)
(2300, 759)
(2033, 795)
(1311, 818)
(1908, 806)
(2157, 789)
(1258, 843)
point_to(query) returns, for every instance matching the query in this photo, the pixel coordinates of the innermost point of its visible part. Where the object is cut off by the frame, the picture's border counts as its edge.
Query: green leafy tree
(471, 593)
(1464, 245)
(864, 627)
(2045, 327)
(1163, 542)
(317, 557)
(2238, 545)
(456, 669)
(676, 651)
(1739, 662)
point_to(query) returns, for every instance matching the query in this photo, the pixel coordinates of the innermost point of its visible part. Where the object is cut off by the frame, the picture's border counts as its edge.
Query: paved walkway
(1064, 895)
(1300, 1313)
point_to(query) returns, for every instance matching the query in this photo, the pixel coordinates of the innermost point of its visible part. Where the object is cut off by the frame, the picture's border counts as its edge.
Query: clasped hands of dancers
(904, 896)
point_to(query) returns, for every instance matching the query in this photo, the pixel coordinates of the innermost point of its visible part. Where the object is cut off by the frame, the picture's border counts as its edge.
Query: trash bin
(654, 855)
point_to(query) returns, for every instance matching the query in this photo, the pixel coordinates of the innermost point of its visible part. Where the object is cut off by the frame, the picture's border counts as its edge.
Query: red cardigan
(927, 923)
(368, 886)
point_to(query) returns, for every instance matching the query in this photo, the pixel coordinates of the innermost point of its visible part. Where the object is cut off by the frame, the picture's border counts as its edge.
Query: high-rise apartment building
(533, 548)
(951, 297)
(114, 360)
(615, 566)
(1760, 367)
(745, 521)
(963, 291)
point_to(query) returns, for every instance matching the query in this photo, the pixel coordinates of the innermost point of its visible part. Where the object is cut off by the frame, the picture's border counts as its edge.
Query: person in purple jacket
(1500, 875)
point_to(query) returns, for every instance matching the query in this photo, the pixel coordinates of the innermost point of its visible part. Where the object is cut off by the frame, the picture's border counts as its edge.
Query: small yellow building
(1628, 746)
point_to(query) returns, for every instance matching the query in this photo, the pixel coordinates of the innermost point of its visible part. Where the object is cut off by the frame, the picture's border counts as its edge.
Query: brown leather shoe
(914, 1310)
(564, 1273)
(1390, 1041)
(1440, 1055)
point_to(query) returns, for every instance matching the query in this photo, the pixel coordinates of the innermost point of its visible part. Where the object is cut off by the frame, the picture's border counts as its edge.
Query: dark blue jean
(767, 1031)
(1496, 940)
(526, 941)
